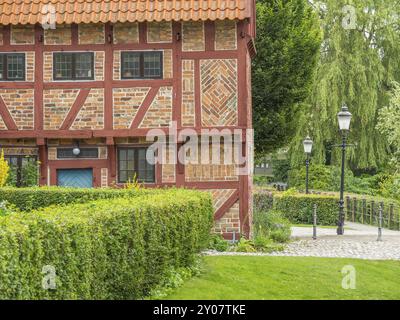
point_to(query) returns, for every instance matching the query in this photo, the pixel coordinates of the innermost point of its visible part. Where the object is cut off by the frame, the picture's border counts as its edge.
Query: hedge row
(27, 199)
(298, 208)
(105, 249)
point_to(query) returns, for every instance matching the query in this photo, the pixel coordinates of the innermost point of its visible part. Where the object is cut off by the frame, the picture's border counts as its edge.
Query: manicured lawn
(227, 277)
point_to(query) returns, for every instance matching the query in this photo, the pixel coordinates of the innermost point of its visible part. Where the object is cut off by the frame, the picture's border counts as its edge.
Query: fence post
(391, 214)
(380, 222)
(315, 223)
(354, 209)
(348, 208)
(364, 209)
(372, 212)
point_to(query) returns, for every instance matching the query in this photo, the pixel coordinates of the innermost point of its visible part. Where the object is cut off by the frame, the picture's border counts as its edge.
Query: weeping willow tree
(360, 58)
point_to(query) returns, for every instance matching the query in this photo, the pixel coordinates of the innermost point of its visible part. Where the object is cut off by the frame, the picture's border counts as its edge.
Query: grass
(244, 277)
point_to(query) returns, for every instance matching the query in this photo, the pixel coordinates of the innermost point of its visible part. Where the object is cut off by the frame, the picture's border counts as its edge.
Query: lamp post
(307, 144)
(344, 119)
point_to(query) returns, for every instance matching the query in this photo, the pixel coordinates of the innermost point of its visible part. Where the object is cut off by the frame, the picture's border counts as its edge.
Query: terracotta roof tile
(92, 11)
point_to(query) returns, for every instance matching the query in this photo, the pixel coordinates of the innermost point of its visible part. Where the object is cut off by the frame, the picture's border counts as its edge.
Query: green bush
(298, 208)
(272, 224)
(218, 243)
(262, 200)
(27, 199)
(106, 249)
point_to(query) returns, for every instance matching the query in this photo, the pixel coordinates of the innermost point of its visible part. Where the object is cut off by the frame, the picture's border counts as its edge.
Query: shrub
(27, 199)
(298, 208)
(218, 243)
(272, 224)
(4, 169)
(106, 249)
(263, 200)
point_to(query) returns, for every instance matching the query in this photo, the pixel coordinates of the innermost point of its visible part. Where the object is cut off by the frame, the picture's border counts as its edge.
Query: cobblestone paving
(359, 242)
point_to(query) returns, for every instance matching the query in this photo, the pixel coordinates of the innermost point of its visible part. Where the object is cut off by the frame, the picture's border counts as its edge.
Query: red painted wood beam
(213, 184)
(144, 107)
(38, 92)
(209, 27)
(227, 205)
(222, 54)
(76, 107)
(7, 118)
(142, 33)
(108, 78)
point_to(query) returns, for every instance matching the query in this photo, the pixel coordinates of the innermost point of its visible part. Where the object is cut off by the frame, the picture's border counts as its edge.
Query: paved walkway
(359, 241)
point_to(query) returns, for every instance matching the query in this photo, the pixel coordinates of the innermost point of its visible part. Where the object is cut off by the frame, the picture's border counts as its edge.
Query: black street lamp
(344, 118)
(307, 144)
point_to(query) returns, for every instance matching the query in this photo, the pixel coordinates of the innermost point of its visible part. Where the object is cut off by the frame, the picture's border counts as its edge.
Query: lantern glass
(344, 118)
(76, 151)
(308, 144)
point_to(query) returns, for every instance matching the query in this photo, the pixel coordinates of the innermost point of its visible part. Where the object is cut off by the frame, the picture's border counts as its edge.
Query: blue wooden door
(75, 178)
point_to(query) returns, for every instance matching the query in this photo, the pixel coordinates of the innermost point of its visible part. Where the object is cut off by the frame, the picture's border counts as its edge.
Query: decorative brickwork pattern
(229, 224)
(20, 105)
(168, 73)
(193, 36)
(99, 65)
(225, 35)
(219, 92)
(22, 34)
(57, 103)
(91, 33)
(60, 35)
(159, 32)
(160, 111)
(126, 33)
(188, 95)
(30, 66)
(91, 115)
(126, 104)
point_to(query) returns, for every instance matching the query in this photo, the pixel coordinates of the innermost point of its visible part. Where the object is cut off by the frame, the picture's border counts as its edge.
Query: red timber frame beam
(109, 83)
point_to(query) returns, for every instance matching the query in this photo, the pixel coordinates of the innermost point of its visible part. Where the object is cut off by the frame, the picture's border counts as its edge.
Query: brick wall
(219, 92)
(91, 33)
(225, 35)
(57, 103)
(159, 32)
(188, 93)
(20, 105)
(22, 34)
(193, 36)
(60, 35)
(126, 33)
(91, 115)
(160, 111)
(126, 104)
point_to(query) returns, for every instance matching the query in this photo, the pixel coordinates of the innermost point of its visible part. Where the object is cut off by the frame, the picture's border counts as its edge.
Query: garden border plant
(104, 249)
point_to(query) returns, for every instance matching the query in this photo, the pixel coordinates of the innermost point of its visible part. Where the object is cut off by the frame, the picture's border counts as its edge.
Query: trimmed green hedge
(105, 249)
(298, 208)
(26, 199)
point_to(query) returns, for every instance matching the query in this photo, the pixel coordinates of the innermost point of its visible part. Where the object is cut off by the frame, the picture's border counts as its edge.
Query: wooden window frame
(3, 57)
(73, 66)
(141, 65)
(136, 164)
(19, 165)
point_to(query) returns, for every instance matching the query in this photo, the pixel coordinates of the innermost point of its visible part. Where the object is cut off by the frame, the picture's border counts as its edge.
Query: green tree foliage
(388, 124)
(360, 57)
(288, 42)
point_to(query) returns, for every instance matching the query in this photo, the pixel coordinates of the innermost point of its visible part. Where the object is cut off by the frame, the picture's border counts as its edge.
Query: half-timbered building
(83, 82)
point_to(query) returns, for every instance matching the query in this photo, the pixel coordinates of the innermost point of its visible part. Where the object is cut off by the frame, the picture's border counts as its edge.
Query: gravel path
(359, 241)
